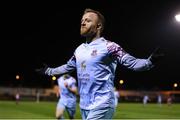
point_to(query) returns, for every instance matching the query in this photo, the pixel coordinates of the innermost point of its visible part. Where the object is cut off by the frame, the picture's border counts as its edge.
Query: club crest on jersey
(94, 53)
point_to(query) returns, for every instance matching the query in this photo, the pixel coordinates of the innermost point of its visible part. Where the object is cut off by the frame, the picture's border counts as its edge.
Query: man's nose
(83, 23)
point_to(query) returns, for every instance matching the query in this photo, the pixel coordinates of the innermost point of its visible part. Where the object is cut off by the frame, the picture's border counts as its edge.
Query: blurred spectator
(17, 97)
(117, 96)
(159, 100)
(145, 99)
(169, 101)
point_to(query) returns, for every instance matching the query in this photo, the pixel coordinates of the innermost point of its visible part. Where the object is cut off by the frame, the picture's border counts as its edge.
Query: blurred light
(121, 81)
(17, 77)
(177, 17)
(53, 78)
(175, 85)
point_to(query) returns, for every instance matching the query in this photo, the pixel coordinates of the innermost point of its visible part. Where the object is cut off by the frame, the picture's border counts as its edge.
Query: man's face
(89, 23)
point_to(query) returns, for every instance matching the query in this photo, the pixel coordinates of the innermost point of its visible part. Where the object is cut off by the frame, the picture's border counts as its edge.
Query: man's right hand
(42, 70)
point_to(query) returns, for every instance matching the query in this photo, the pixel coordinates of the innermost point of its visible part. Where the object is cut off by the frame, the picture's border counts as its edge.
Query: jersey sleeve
(115, 51)
(136, 64)
(127, 60)
(66, 68)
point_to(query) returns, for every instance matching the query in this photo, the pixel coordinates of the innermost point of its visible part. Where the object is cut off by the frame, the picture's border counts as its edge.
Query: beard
(83, 31)
(87, 32)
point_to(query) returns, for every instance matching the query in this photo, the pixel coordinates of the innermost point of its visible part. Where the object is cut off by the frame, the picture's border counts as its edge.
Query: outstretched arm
(66, 68)
(136, 64)
(128, 60)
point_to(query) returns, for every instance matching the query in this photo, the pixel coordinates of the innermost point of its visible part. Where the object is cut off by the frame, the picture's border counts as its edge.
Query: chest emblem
(94, 53)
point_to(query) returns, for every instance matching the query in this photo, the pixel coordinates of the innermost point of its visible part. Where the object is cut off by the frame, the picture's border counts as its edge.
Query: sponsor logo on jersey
(83, 65)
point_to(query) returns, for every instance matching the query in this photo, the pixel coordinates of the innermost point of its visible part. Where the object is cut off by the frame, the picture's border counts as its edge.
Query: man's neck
(90, 39)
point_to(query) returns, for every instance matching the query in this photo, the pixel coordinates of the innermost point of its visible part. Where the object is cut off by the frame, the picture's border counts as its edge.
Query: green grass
(46, 110)
(150, 111)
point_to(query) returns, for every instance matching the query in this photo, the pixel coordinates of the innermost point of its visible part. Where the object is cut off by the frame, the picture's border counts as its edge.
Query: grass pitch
(46, 110)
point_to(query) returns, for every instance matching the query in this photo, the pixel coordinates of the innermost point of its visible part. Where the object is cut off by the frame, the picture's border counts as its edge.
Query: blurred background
(47, 32)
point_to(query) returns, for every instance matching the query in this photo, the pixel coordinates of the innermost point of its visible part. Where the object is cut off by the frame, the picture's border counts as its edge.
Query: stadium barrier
(49, 94)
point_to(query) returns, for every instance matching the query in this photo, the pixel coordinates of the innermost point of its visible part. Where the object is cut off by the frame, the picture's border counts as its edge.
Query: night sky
(33, 33)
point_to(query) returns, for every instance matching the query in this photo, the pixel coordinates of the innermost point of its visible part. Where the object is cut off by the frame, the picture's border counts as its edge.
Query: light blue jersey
(67, 98)
(96, 63)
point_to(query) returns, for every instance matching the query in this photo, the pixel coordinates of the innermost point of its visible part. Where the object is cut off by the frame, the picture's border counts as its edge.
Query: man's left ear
(99, 26)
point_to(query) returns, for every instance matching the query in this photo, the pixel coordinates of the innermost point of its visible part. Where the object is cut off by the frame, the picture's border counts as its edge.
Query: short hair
(100, 16)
